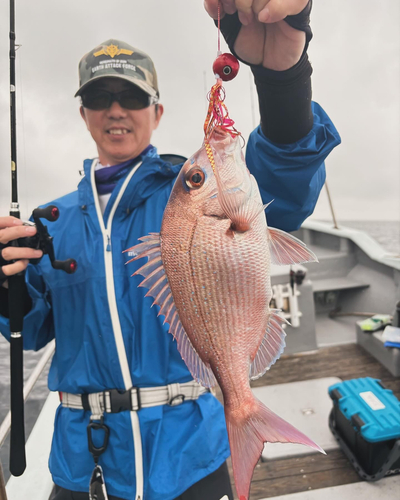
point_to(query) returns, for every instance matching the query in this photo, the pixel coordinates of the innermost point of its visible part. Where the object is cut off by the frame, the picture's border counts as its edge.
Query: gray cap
(117, 59)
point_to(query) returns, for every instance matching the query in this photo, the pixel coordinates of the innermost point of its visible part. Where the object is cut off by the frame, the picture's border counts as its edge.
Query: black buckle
(121, 400)
(139, 401)
(95, 426)
(176, 400)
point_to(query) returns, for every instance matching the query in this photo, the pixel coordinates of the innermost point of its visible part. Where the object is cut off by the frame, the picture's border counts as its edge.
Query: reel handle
(69, 265)
(50, 213)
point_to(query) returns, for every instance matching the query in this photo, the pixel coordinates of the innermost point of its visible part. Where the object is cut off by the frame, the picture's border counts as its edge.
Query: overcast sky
(355, 56)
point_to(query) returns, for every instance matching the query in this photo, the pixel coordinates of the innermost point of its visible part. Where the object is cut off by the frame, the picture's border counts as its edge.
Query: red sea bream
(209, 271)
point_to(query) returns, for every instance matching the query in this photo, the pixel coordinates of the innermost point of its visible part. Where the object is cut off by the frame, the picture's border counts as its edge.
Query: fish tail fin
(247, 435)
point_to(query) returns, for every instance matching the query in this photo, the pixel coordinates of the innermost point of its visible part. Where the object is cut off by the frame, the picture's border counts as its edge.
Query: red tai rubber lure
(217, 117)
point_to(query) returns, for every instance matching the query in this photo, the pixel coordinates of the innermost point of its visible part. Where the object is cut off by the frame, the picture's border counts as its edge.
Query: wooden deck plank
(344, 361)
(281, 477)
(294, 474)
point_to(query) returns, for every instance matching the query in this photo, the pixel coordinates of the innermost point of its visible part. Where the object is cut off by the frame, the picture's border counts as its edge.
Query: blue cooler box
(365, 420)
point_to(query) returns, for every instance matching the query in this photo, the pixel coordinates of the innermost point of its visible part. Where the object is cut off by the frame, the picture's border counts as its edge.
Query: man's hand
(264, 37)
(12, 229)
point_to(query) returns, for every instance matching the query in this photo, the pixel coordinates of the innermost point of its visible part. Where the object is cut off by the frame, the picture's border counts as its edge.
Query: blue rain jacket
(180, 444)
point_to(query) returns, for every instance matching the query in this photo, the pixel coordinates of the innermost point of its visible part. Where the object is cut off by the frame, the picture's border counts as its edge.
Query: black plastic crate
(365, 420)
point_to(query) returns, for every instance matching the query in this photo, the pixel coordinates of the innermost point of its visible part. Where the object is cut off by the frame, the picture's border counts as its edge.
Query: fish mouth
(219, 133)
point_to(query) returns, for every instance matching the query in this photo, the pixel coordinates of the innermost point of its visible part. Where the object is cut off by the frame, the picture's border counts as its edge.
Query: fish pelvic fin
(271, 347)
(286, 249)
(157, 282)
(248, 429)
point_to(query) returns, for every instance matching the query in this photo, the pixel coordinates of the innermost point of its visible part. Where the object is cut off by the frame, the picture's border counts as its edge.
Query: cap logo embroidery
(112, 51)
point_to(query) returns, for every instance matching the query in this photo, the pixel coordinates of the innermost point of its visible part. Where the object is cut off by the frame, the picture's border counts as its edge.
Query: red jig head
(226, 66)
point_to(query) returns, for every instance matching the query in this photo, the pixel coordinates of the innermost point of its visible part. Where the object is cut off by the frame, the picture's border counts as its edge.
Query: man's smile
(118, 131)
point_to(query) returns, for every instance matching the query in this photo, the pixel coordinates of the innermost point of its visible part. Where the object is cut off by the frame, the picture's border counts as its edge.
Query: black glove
(230, 27)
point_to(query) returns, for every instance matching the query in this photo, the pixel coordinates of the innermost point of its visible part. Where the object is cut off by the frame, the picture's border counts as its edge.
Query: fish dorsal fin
(157, 282)
(271, 347)
(286, 249)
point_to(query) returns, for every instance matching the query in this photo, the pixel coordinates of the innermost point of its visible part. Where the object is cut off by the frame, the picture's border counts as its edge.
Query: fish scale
(234, 267)
(209, 271)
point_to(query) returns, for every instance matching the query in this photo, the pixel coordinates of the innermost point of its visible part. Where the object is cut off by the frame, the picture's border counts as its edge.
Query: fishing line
(219, 29)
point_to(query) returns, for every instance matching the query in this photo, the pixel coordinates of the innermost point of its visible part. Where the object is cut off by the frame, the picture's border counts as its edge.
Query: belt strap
(114, 401)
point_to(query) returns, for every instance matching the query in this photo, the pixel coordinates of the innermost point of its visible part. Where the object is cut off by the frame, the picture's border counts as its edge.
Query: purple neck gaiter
(107, 178)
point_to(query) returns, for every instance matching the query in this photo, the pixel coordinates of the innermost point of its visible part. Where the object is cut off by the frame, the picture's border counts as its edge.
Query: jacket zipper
(112, 303)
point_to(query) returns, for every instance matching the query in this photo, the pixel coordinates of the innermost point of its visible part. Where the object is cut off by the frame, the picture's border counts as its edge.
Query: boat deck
(310, 472)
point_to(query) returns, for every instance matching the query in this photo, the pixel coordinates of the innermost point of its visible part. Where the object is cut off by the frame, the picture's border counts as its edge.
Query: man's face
(119, 133)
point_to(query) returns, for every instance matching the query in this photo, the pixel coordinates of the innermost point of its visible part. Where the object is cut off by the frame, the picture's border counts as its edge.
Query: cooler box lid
(370, 407)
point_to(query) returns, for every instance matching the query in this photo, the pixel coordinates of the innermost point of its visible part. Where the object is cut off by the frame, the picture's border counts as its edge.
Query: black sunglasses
(100, 99)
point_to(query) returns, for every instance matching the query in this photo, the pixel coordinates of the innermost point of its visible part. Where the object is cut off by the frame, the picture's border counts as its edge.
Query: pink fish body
(209, 270)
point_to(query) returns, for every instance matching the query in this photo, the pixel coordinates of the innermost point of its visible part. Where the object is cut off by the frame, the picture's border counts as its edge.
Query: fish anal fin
(200, 371)
(271, 347)
(285, 249)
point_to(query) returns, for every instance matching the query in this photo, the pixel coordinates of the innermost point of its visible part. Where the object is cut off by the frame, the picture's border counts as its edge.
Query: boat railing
(363, 240)
(33, 378)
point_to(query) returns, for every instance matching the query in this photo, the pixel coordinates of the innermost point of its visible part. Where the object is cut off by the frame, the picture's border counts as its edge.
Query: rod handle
(17, 434)
(16, 287)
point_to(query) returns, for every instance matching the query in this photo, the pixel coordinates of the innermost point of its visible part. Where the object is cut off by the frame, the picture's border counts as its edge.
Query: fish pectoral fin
(285, 249)
(271, 347)
(240, 206)
(242, 215)
(157, 282)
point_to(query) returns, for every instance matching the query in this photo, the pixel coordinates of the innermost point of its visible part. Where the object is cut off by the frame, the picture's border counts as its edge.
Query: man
(167, 439)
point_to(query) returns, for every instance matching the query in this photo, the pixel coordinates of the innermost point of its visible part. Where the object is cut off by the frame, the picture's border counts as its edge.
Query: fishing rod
(16, 289)
(16, 283)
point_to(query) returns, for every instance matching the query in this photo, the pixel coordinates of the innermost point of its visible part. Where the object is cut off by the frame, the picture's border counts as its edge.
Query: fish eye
(195, 178)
